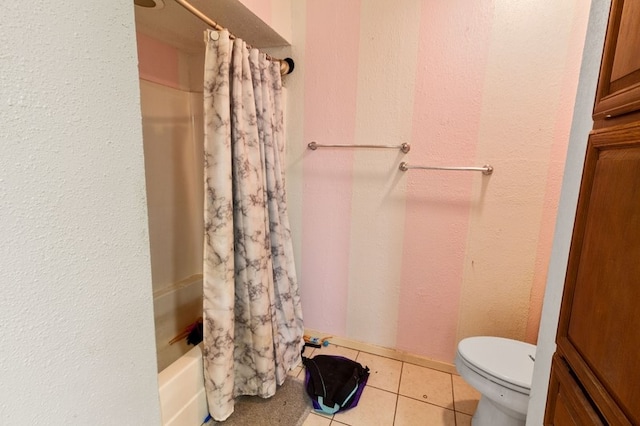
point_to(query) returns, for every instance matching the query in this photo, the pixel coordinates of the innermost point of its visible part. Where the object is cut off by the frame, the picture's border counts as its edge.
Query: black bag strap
(319, 388)
(349, 387)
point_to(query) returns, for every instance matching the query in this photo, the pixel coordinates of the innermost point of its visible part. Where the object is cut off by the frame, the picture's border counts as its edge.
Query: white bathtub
(181, 385)
(180, 377)
(175, 308)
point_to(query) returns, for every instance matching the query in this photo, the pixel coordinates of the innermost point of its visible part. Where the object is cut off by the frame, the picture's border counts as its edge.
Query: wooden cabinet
(570, 404)
(599, 330)
(619, 84)
(595, 375)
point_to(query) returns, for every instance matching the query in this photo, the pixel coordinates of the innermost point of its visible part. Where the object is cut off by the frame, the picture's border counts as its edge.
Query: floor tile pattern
(400, 394)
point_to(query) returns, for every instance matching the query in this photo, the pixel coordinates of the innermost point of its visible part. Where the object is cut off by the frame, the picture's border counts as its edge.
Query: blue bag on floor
(334, 383)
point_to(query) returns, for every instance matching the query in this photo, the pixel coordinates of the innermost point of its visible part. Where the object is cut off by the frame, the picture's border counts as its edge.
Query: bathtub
(175, 307)
(180, 378)
(181, 386)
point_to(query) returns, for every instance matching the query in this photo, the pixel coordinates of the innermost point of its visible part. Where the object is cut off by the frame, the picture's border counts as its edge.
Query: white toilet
(501, 370)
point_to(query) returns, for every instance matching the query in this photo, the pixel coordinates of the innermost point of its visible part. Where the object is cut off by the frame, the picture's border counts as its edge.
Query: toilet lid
(505, 359)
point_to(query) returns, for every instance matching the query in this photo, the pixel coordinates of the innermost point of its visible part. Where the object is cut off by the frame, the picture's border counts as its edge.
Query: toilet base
(489, 413)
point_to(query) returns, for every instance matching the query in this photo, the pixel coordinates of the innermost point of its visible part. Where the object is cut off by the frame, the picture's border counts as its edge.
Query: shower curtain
(252, 315)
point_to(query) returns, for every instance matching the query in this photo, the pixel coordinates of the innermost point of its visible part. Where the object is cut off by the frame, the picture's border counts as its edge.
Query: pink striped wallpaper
(418, 260)
(446, 120)
(330, 96)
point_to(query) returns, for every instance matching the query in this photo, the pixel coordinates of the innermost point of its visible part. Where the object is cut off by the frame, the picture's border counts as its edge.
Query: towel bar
(405, 147)
(486, 169)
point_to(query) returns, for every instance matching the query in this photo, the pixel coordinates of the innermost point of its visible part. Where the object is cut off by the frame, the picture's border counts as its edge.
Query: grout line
(453, 394)
(395, 413)
(427, 402)
(395, 410)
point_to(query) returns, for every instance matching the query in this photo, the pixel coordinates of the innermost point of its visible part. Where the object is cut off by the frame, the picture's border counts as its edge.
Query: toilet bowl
(501, 370)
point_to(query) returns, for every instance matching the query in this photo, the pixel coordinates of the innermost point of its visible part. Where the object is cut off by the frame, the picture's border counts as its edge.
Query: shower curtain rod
(286, 64)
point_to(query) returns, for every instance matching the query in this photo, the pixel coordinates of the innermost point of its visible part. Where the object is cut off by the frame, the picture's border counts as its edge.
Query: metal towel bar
(405, 147)
(486, 169)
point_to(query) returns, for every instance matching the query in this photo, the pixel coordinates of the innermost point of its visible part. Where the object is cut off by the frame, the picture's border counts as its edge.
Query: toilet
(501, 370)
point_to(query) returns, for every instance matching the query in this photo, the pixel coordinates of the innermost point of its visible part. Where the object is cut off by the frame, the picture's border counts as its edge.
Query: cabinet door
(567, 405)
(619, 84)
(599, 330)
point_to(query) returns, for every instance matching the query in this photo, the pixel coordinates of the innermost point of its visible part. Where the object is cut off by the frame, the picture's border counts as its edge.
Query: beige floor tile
(315, 420)
(326, 416)
(412, 413)
(465, 397)
(425, 384)
(463, 419)
(384, 373)
(376, 408)
(308, 352)
(335, 350)
(295, 372)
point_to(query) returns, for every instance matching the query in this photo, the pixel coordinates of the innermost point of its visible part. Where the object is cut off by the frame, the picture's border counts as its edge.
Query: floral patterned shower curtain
(252, 315)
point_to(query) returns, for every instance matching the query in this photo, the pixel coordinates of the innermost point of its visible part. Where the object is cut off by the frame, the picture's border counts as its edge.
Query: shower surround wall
(419, 260)
(173, 148)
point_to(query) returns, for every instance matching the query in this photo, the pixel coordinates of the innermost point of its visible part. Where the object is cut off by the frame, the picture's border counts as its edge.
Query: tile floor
(401, 394)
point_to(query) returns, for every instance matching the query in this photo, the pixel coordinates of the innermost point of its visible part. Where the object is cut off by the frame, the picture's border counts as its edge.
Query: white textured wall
(580, 128)
(76, 314)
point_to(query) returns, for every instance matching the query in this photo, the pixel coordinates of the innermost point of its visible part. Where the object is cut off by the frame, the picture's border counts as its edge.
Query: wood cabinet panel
(563, 415)
(599, 330)
(608, 276)
(619, 83)
(627, 61)
(568, 404)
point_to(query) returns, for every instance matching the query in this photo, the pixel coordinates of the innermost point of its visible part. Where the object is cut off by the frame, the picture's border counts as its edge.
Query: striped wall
(418, 260)
(328, 178)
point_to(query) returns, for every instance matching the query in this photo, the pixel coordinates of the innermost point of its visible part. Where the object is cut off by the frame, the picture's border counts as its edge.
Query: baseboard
(386, 352)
